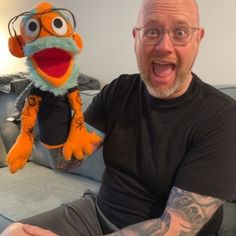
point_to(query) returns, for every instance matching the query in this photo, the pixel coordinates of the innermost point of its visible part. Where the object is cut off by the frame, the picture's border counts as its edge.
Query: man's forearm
(186, 213)
(151, 227)
(156, 227)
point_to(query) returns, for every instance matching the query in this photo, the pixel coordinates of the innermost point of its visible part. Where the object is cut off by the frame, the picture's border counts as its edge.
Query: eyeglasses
(178, 35)
(32, 23)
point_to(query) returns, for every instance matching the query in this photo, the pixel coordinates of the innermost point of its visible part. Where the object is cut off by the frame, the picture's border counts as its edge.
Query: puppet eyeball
(32, 27)
(59, 25)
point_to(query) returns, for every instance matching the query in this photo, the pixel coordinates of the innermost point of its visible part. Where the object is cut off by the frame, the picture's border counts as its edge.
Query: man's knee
(15, 229)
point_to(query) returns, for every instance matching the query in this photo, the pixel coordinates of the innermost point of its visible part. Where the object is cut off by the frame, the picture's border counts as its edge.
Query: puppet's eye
(59, 25)
(32, 27)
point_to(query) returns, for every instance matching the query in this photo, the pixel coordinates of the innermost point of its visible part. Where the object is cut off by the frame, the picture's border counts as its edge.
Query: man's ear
(201, 34)
(15, 45)
(134, 33)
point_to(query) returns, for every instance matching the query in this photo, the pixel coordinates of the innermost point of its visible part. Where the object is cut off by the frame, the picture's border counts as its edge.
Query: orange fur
(15, 46)
(79, 141)
(21, 150)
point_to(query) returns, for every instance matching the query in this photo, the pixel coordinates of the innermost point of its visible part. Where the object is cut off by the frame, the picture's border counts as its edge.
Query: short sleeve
(95, 114)
(209, 167)
(102, 109)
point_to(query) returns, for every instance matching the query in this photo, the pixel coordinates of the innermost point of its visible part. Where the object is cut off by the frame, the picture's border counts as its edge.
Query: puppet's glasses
(59, 22)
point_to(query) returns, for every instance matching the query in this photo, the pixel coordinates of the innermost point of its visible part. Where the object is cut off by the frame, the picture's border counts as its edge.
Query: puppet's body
(54, 117)
(50, 45)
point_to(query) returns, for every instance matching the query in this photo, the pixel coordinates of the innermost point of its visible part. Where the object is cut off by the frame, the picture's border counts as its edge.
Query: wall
(106, 27)
(216, 62)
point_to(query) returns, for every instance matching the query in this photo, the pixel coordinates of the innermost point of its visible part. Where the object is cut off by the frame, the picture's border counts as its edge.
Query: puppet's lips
(53, 61)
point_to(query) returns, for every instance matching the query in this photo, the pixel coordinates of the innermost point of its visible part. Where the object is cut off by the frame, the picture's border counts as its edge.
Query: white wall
(106, 26)
(216, 62)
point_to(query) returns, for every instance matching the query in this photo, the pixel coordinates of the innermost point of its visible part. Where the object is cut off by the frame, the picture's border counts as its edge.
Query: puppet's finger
(78, 154)
(15, 166)
(67, 152)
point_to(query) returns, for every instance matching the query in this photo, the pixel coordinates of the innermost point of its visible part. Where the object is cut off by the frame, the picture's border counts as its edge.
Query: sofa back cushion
(228, 89)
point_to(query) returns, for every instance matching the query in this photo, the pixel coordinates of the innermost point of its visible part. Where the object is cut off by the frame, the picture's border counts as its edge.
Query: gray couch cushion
(9, 132)
(2, 153)
(4, 222)
(228, 89)
(92, 167)
(37, 189)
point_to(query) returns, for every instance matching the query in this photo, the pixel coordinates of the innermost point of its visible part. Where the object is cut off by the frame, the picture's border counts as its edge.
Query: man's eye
(152, 32)
(181, 32)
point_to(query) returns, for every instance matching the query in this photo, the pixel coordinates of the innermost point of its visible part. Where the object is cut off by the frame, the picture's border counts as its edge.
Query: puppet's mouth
(52, 61)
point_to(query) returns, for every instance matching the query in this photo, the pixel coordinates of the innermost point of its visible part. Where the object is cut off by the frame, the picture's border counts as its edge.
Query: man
(169, 141)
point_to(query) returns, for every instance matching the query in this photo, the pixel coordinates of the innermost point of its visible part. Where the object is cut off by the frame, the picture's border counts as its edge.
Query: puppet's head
(46, 37)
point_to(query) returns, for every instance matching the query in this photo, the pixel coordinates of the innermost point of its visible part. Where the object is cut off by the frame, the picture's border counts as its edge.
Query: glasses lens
(151, 35)
(180, 35)
(15, 24)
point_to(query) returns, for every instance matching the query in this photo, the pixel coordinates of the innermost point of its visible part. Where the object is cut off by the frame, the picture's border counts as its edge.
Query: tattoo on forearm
(154, 227)
(193, 209)
(187, 211)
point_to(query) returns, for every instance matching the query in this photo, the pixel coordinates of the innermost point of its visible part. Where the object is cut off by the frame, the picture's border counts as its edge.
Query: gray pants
(80, 217)
(228, 226)
(83, 217)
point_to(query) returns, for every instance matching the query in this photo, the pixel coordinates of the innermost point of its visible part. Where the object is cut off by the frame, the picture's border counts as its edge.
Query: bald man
(169, 144)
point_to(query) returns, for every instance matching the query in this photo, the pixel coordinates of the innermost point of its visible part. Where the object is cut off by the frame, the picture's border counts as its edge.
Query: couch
(39, 187)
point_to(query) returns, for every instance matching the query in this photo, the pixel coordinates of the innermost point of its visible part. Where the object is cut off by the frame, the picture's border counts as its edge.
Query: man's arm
(185, 214)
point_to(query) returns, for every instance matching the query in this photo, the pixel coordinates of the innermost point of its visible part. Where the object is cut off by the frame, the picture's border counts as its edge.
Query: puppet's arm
(79, 141)
(21, 150)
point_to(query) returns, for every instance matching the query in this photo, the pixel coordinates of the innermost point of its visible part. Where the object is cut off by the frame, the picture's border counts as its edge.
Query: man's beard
(162, 92)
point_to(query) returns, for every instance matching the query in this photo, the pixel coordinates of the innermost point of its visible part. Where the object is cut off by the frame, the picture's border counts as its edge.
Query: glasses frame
(163, 31)
(13, 33)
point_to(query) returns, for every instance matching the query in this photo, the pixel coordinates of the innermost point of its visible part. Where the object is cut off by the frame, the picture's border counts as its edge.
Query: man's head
(167, 38)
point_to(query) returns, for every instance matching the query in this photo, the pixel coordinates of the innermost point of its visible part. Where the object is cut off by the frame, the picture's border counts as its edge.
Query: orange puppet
(48, 40)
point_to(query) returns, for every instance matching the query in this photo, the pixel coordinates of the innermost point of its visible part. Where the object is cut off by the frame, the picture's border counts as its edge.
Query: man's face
(165, 67)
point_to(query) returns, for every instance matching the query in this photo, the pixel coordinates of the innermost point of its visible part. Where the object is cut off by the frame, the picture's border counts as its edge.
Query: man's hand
(19, 229)
(37, 231)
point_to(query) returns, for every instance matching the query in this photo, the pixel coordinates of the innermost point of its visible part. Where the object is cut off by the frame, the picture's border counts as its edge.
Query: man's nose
(164, 45)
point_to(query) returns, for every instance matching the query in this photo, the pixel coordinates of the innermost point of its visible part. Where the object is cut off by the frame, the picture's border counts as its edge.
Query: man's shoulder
(123, 84)
(215, 96)
(127, 79)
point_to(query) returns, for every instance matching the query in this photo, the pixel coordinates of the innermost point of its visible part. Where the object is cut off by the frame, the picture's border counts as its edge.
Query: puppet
(48, 40)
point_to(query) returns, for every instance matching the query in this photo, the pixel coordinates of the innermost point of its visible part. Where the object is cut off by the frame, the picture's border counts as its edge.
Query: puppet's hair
(51, 42)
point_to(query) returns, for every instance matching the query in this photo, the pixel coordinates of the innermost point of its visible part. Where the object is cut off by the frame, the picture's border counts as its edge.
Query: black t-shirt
(54, 116)
(152, 145)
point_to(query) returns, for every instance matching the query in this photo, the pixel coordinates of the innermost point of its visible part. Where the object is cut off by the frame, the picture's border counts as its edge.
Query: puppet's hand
(80, 143)
(20, 152)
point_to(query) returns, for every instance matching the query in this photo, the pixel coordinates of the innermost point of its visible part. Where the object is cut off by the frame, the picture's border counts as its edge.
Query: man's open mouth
(163, 70)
